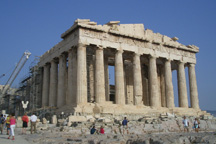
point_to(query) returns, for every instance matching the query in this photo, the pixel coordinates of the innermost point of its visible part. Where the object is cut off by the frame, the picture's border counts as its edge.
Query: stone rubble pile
(145, 129)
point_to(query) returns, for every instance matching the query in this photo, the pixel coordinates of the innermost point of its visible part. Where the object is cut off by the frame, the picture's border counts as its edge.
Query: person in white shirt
(186, 124)
(33, 120)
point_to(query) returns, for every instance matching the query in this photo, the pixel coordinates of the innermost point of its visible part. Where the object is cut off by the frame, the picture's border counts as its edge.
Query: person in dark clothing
(124, 124)
(2, 121)
(93, 130)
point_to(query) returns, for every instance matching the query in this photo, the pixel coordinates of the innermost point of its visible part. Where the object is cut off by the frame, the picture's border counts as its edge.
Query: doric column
(61, 97)
(153, 82)
(193, 87)
(81, 74)
(91, 77)
(169, 85)
(106, 71)
(53, 83)
(119, 79)
(163, 88)
(99, 76)
(182, 88)
(46, 81)
(145, 82)
(72, 76)
(137, 79)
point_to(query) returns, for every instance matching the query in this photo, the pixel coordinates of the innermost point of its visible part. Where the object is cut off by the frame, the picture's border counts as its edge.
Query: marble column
(106, 70)
(61, 97)
(193, 87)
(182, 88)
(137, 79)
(46, 81)
(81, 74)
(163, 88)
(91, 76)
(153, 82)
(169, 85)
(72, 76)
(145, 82)
(119, 79)
(99, 76)
(53, 83)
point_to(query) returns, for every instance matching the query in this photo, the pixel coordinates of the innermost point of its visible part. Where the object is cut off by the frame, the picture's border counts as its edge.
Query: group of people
(10, 123)
(195, 124)
(101, 131)
(94, 130)
(125, 126)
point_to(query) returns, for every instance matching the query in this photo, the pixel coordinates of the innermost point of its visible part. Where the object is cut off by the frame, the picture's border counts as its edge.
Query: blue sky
(37, 25)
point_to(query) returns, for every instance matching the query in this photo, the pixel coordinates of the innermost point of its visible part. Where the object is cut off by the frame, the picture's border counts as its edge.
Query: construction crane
(16, 71)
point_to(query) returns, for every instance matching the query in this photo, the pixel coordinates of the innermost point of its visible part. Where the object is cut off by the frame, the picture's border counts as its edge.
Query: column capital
(47, 64)
(136, 54)
(81, 45)
(168, 59)
(62, 55)
(181, 62)
(55, 60)
(191, 64)
(120, 51)
(100, 47)
(153, 56)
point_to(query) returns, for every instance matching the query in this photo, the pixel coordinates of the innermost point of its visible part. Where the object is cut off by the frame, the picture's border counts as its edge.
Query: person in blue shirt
(93, 130)
(124, 124)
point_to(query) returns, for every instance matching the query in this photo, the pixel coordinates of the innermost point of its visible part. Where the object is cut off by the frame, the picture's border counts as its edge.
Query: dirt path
(19, 139)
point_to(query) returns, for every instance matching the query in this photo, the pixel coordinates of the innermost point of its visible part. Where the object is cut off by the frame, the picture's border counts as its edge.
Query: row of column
(57, 80)
(182, 88)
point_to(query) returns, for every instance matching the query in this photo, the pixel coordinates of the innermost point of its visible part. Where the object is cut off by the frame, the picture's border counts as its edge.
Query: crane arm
(16, 71)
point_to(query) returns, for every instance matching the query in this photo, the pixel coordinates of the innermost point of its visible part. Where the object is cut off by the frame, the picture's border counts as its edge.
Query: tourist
(125, 125)
(12, 126)
(101, 130)
(186, 124)
(33, 122)
(8, 124)
(25, 120)
(2, 121)
(5, 117)
(196, 125)
(93, 130)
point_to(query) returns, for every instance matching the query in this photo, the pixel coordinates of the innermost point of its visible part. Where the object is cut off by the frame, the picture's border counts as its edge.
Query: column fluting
(53, 83)
(72, 76)
(81, 74)
(153, 82)
(169, 85)
(193, 87)
(46, 81)
(99, 76)
(61, 97)
(182, 87)
(106, 71)
(137, 79)
(119, 79)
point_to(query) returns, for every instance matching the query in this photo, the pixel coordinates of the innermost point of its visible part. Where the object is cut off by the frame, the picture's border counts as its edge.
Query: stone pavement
(19, 139)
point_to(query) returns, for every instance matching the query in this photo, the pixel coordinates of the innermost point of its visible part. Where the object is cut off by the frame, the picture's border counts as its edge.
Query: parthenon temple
(75, 72)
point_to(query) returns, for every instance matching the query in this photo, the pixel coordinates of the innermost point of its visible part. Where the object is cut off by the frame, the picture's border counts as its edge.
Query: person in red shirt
(12, 126)
(25, 120)
(102, 130)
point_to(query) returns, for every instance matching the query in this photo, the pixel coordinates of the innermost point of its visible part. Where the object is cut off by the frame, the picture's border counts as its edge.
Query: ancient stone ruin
(75, 75)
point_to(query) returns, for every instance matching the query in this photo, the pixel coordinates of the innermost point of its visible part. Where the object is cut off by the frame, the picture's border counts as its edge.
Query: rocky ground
(165, 129)
(55, 137)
